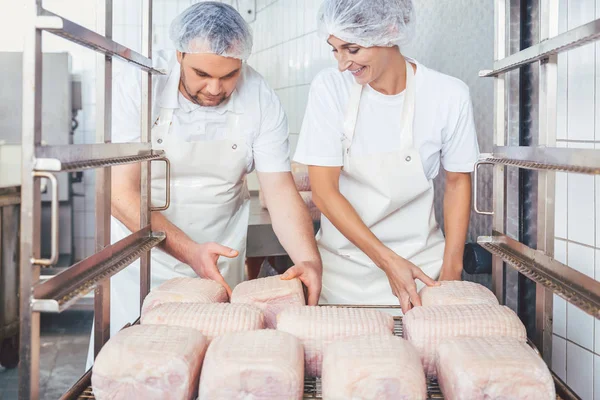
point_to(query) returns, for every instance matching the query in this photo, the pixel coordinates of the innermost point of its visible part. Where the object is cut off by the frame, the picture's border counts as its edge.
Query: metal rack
(42, 162)
(550, 276)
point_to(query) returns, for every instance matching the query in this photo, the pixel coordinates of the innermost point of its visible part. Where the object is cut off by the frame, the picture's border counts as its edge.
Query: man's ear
(180, 56)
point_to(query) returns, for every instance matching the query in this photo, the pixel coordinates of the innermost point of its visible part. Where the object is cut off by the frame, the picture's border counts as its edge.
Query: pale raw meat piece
(257, 365)
(149, 362)
(271, 295)
(185, 290)
(317, 326)
(378, 367)
(457, 292)
(301, 178)
(492, 368)
(426, 327)
(210, 319)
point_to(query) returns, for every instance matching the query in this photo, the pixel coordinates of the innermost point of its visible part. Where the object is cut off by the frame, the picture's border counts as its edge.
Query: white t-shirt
(444, 129)
(262, 119)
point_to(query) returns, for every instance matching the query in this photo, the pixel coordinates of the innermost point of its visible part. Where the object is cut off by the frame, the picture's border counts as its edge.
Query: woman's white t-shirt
(444, 130)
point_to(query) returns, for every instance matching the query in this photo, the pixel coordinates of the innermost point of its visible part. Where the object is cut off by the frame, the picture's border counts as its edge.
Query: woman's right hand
(402, 274)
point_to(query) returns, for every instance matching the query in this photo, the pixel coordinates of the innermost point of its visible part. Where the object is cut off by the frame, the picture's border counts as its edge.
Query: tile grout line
(284, 42)
(589, 246)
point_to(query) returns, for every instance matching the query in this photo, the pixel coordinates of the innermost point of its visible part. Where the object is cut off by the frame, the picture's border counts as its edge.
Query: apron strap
(408, 109)
(351, 117)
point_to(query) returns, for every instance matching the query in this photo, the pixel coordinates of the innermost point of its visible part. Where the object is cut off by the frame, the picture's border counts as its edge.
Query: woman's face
(365, 63)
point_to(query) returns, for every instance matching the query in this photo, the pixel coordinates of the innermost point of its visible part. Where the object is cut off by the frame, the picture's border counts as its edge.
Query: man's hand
(310, 273)
(203, 260)
(402, 274)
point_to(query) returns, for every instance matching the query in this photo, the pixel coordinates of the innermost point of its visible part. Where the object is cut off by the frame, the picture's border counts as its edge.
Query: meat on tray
(317, 326)
(426, 327)
(185, 290)
(272, 295)
(149, 362)
(258, 365)
(457, 292)
(492, 368)
(210, 319)
(376, 367)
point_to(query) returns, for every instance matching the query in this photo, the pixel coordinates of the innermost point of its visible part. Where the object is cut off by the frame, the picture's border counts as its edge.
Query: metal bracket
(53, 221)
(168, 185)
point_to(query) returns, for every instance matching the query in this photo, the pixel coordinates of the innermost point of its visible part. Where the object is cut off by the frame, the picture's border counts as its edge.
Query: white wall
(576, 343)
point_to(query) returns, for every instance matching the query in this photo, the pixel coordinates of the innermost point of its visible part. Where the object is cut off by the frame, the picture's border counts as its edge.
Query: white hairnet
(368, 23)
(212, 27)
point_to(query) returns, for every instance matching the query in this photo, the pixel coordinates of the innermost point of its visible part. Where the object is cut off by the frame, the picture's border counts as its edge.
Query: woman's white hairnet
(368, 23)
(212, 27)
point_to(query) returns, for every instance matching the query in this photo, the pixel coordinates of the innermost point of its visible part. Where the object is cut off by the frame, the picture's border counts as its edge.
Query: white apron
(394, 198)
(209, 203)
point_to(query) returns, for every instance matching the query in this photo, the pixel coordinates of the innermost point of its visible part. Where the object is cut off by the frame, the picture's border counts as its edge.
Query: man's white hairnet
(368, 23)
(212, 27)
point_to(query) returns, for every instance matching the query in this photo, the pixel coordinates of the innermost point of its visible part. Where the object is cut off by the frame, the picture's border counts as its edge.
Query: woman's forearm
(457, 210)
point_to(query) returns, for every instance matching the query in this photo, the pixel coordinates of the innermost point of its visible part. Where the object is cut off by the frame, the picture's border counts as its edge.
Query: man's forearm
(457, 210)
(126, 208)
(290, 217)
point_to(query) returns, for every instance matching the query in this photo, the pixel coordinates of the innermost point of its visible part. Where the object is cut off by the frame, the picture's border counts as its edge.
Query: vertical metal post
(499, 140)
(103, 175)
(546, 179)
(29, 353)
(146, 114)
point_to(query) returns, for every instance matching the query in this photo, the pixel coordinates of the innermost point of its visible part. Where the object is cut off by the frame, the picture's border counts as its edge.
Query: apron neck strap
(408, 112)
(351, 116)
(408, 109)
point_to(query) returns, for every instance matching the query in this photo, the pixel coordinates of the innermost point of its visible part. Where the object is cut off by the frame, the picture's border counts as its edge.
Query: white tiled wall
(288, 53)
(577, 222)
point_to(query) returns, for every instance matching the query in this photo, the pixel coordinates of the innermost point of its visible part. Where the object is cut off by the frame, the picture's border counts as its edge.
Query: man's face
(208, 79)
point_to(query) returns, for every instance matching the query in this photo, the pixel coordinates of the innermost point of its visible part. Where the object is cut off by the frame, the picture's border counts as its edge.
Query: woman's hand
(402, 274)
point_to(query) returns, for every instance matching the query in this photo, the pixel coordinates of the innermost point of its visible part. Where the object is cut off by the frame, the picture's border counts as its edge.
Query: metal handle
(475, 186)
(168, 188)
(53, 221)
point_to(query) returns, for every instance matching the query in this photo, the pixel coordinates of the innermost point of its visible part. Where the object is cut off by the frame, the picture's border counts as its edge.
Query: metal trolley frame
(42, 162)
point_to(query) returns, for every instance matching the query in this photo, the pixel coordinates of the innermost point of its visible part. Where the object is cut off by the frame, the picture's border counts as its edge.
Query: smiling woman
(375, 133)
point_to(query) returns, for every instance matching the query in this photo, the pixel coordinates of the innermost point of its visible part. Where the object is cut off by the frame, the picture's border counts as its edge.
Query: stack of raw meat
(475, 347)
(302, 181)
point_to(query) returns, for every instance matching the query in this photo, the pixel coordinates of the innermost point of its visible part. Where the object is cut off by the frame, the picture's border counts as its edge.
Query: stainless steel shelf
(84, 156)
(583, 161)
(69, 30)
(566, 41)
(59, 292)
(573, 286)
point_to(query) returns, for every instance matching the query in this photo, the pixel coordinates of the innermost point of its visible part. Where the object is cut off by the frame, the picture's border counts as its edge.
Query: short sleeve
(460, 149)
(320, 141)
(126, 118)
(271, 148)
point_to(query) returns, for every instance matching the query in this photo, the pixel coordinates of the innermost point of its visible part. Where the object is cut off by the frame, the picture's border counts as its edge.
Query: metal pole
(103, 175)
(29, 352)
(546, 179)
(499, 140)
(146, 126)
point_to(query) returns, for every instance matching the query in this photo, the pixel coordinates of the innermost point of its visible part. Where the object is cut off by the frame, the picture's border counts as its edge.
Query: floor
(64, 345)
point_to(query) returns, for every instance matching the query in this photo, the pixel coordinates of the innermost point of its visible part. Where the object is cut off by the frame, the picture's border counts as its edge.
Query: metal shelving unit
(550, 276)
(42, 162)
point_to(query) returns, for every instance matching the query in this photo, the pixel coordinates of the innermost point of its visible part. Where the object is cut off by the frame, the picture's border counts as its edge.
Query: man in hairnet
(217, 120)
